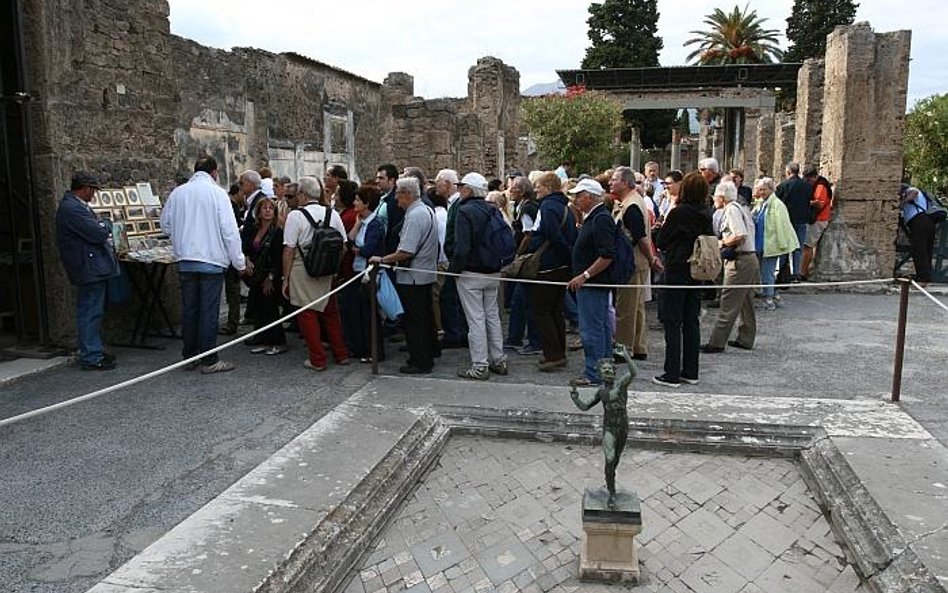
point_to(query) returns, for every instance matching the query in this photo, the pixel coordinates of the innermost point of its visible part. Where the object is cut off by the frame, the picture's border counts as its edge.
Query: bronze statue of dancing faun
(614, 396)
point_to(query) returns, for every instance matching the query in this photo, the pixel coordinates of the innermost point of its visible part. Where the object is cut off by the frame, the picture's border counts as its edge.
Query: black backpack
(323, 256)
(496, 248)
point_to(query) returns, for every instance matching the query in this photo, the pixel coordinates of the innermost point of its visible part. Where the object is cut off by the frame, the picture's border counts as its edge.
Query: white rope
(930, 295)
(654, 286)
(171, 367)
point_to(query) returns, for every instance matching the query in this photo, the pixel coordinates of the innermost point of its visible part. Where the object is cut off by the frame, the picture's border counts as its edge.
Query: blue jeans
(90, 308)
(592, 305)
(798, 253)
(520, 322)
(768, 275)
(200, 313)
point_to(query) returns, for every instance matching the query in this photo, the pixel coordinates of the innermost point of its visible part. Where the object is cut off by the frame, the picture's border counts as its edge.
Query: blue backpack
(497, 247)
(623, 265)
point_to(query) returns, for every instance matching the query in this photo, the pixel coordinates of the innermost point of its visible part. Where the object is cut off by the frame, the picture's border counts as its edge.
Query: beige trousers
(737, 301)
(631, 329)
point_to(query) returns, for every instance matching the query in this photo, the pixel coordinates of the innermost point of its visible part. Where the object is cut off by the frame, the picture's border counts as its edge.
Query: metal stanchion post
(374, 315)
(900, 339)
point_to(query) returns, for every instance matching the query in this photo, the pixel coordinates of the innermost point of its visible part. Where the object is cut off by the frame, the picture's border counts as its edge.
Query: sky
(436, 41)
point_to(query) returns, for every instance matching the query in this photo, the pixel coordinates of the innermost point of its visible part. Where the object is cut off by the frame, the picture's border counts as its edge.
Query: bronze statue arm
(583, 403)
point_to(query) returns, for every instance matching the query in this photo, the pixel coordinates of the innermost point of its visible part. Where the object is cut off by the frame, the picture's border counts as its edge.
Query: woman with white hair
(740, 268)
(774, 235)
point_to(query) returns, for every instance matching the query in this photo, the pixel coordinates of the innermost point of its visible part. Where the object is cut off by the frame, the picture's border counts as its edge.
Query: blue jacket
(473, 216)
(84, 242)
(561, 234)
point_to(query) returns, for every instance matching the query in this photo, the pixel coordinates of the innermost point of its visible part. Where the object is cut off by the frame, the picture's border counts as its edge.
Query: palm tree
(735, 38)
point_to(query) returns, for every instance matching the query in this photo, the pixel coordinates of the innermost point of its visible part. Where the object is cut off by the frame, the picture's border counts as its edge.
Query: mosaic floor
(499, 515)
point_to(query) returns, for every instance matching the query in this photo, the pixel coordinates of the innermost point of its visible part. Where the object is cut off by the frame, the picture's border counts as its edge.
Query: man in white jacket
(200, 221)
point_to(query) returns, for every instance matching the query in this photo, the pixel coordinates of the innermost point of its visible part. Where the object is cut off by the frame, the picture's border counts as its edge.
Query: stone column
(717, 144)
(861, 148)
(765, 143)
(676, 149)
(704, 133)
(749, 161)
(784, 124)
(635, 150)
(809, 124)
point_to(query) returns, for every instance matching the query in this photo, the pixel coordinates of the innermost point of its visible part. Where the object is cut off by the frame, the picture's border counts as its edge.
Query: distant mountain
(545, 88)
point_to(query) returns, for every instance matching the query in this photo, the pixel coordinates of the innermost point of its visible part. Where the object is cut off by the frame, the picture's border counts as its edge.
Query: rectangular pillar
(809, 124)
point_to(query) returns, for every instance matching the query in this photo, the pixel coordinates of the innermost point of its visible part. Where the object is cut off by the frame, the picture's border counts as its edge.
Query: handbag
(527, 266)
(387, 298)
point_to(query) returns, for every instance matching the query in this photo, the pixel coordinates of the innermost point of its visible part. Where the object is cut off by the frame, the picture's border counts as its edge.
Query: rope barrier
(930, 296)
(657, 286)
(177, 365)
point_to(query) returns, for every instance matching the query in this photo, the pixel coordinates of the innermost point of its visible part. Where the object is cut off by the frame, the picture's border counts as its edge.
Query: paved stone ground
(497, 515)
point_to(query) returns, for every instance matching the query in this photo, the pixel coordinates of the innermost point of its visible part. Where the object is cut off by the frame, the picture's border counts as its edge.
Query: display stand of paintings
(135, 214)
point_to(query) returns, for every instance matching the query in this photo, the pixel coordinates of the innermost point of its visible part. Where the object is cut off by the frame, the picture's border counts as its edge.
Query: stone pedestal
(608, 550)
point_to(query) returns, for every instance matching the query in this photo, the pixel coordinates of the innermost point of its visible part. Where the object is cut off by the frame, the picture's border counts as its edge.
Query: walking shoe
(548, 366)
(218, 367)
(310, 365)
(412, 370)
(513, 347)
(769, 305)
(344, 362)
(584, 382)
(666, 381)
(529, 350)
(689, 381)
(476, 373)
(227, 330)
(576, 344)
(499, 368)
(259, 349)
(105, 364)
(192, 365)
(737, 344)
(709, 349)
(274, 350)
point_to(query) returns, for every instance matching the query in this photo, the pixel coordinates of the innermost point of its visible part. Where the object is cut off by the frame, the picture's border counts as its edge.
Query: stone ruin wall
(861, 148)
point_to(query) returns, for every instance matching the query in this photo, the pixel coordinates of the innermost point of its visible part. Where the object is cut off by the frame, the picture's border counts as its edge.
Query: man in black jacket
(478, 284)
(795, 193)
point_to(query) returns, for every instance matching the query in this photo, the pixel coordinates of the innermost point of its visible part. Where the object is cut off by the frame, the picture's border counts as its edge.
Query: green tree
(738, 37)
(580, 126)
(926, 144)
(810, 22)
(624, 34)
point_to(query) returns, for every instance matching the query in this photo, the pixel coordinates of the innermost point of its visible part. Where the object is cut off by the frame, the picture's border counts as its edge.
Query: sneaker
(192, 365)
(689, 381)
(529, 350)
(778, 298)
(259, 349)
(476, 373)
(769, 305)
(513, 347)
(105, 364)
(736, 344)
(309, 365)
(227, 331)
(548, 366)
(664, 380)
(218, 367)
(274, 350)
(344, 362)
(499, 368)
(576, 344)
(709, 349)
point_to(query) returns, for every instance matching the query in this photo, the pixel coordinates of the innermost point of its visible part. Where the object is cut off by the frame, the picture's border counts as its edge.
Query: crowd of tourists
(442, 243)
(439, 244)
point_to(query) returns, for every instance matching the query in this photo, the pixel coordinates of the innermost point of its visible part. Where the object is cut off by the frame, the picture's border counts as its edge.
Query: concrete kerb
(302, 519)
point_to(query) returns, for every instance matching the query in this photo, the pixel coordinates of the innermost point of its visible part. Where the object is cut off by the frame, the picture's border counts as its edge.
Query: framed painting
(131, 193)
(134, 213)
(118, 214)
(94, 202)
(152, 212)
(147, 197)
(105, 198)
(143, 226)
(119, 197)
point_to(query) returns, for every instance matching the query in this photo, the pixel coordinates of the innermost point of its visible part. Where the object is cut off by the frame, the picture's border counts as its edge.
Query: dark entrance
(22, 296)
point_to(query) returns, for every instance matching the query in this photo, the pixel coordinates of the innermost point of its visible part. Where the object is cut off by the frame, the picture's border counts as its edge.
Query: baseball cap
(85, 179)
(514, 173)
(590, 185)
(475, 180)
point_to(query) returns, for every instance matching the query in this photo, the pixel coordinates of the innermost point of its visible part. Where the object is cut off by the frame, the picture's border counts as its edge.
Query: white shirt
(736, 220)
(200, 221)
(299, 232)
